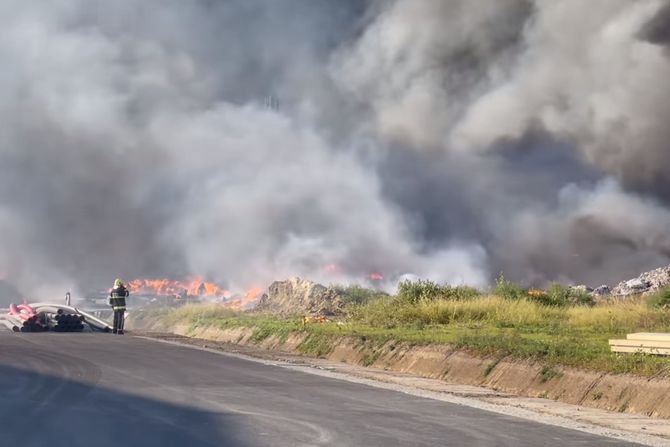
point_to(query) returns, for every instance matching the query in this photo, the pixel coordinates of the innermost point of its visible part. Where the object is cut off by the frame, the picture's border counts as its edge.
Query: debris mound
(647, 282)
(300, 296)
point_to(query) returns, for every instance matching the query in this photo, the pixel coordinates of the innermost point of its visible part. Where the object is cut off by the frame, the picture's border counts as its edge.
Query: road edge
(315, 367)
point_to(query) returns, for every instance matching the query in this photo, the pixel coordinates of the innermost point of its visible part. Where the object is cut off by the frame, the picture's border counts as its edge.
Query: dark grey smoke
(451, 140)
(657, 30)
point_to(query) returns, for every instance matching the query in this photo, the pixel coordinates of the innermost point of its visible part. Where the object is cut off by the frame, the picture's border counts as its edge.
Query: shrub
(357, 295)
(424, 290)
(461, 293)
(581, 297)
(508, 290)
(660, 299)
(413, 292)
(559, 295)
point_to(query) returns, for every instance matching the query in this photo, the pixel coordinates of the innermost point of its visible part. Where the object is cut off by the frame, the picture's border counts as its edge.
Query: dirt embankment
(622, 393)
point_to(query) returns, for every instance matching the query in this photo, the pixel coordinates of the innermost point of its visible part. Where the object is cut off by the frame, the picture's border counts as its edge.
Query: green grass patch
(415, 292)
(660, 299)
(491, 366)
(370, 358)
(549, 372)
(260, 333)
(317, 345)
(563, 331)
(357, 295)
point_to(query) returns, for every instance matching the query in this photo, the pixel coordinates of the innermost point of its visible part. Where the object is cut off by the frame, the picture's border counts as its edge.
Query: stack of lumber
(645, 342)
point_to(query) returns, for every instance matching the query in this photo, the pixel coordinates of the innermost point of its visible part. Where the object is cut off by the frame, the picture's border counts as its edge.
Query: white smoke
(584, 77)
(450, 140)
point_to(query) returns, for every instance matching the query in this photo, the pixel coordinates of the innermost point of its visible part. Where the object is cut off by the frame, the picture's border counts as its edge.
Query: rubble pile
(299, 296)
(645, 283)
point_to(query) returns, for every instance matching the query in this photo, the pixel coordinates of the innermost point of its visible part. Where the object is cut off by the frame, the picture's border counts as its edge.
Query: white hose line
(12, 319)
(90, 319)
(9, 325)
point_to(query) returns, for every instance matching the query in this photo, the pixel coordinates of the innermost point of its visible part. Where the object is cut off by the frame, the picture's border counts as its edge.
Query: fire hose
(10, 322)
(39, 317)
(94, 322)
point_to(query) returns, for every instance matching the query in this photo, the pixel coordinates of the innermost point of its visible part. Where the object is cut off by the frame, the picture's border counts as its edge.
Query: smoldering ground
(448, 139)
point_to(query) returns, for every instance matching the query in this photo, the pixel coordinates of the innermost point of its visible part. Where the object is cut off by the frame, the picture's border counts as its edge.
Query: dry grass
(524, 327)
(488, 309)
(610, 317)
(197, 313)
(619, 317)
(614, 316)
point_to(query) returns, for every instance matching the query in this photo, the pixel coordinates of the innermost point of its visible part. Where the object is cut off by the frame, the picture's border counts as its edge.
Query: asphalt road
(104, 390)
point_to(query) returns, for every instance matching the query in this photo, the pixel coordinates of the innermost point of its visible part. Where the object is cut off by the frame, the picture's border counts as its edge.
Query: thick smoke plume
(451, 140)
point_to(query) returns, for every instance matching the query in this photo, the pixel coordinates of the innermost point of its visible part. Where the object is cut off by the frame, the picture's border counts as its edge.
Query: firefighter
(117, 299)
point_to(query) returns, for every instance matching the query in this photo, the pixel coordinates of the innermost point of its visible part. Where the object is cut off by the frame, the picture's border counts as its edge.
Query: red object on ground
(23, 311)
(13, 309)
(27, 308)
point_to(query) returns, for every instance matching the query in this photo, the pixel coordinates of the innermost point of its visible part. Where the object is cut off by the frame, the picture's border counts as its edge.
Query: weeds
(548, 372)
(508, 290)
(660, 299)
(317, 345)
(369, 359)
(415, 292)
(557, 327)
(260, 334)
(560, 295)
(357, 295)
(491, 366)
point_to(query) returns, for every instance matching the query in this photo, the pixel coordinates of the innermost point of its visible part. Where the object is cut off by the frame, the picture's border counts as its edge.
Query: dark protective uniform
(117, 299)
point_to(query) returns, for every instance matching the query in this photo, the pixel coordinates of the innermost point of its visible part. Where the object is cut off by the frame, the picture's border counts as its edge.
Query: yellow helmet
(118, 283)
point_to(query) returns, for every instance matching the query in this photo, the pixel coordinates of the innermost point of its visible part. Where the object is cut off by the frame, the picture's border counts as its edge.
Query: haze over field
(448, 139)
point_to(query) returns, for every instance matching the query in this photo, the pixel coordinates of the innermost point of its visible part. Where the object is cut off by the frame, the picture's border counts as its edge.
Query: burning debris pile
(246, 301)
(173, 292)
(300, 296)
(167, 287)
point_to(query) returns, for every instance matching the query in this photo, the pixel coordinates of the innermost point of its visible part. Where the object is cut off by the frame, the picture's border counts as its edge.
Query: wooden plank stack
(644, 342)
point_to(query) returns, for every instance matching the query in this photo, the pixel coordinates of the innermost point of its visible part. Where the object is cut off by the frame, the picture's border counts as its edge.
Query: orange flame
(241, 302)
(375, 276)
(194, 286)
(331, 268)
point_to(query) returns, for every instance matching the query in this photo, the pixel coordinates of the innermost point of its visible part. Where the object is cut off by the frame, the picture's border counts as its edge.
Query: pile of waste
(647, 282)
(41, 317)
(299, 296)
